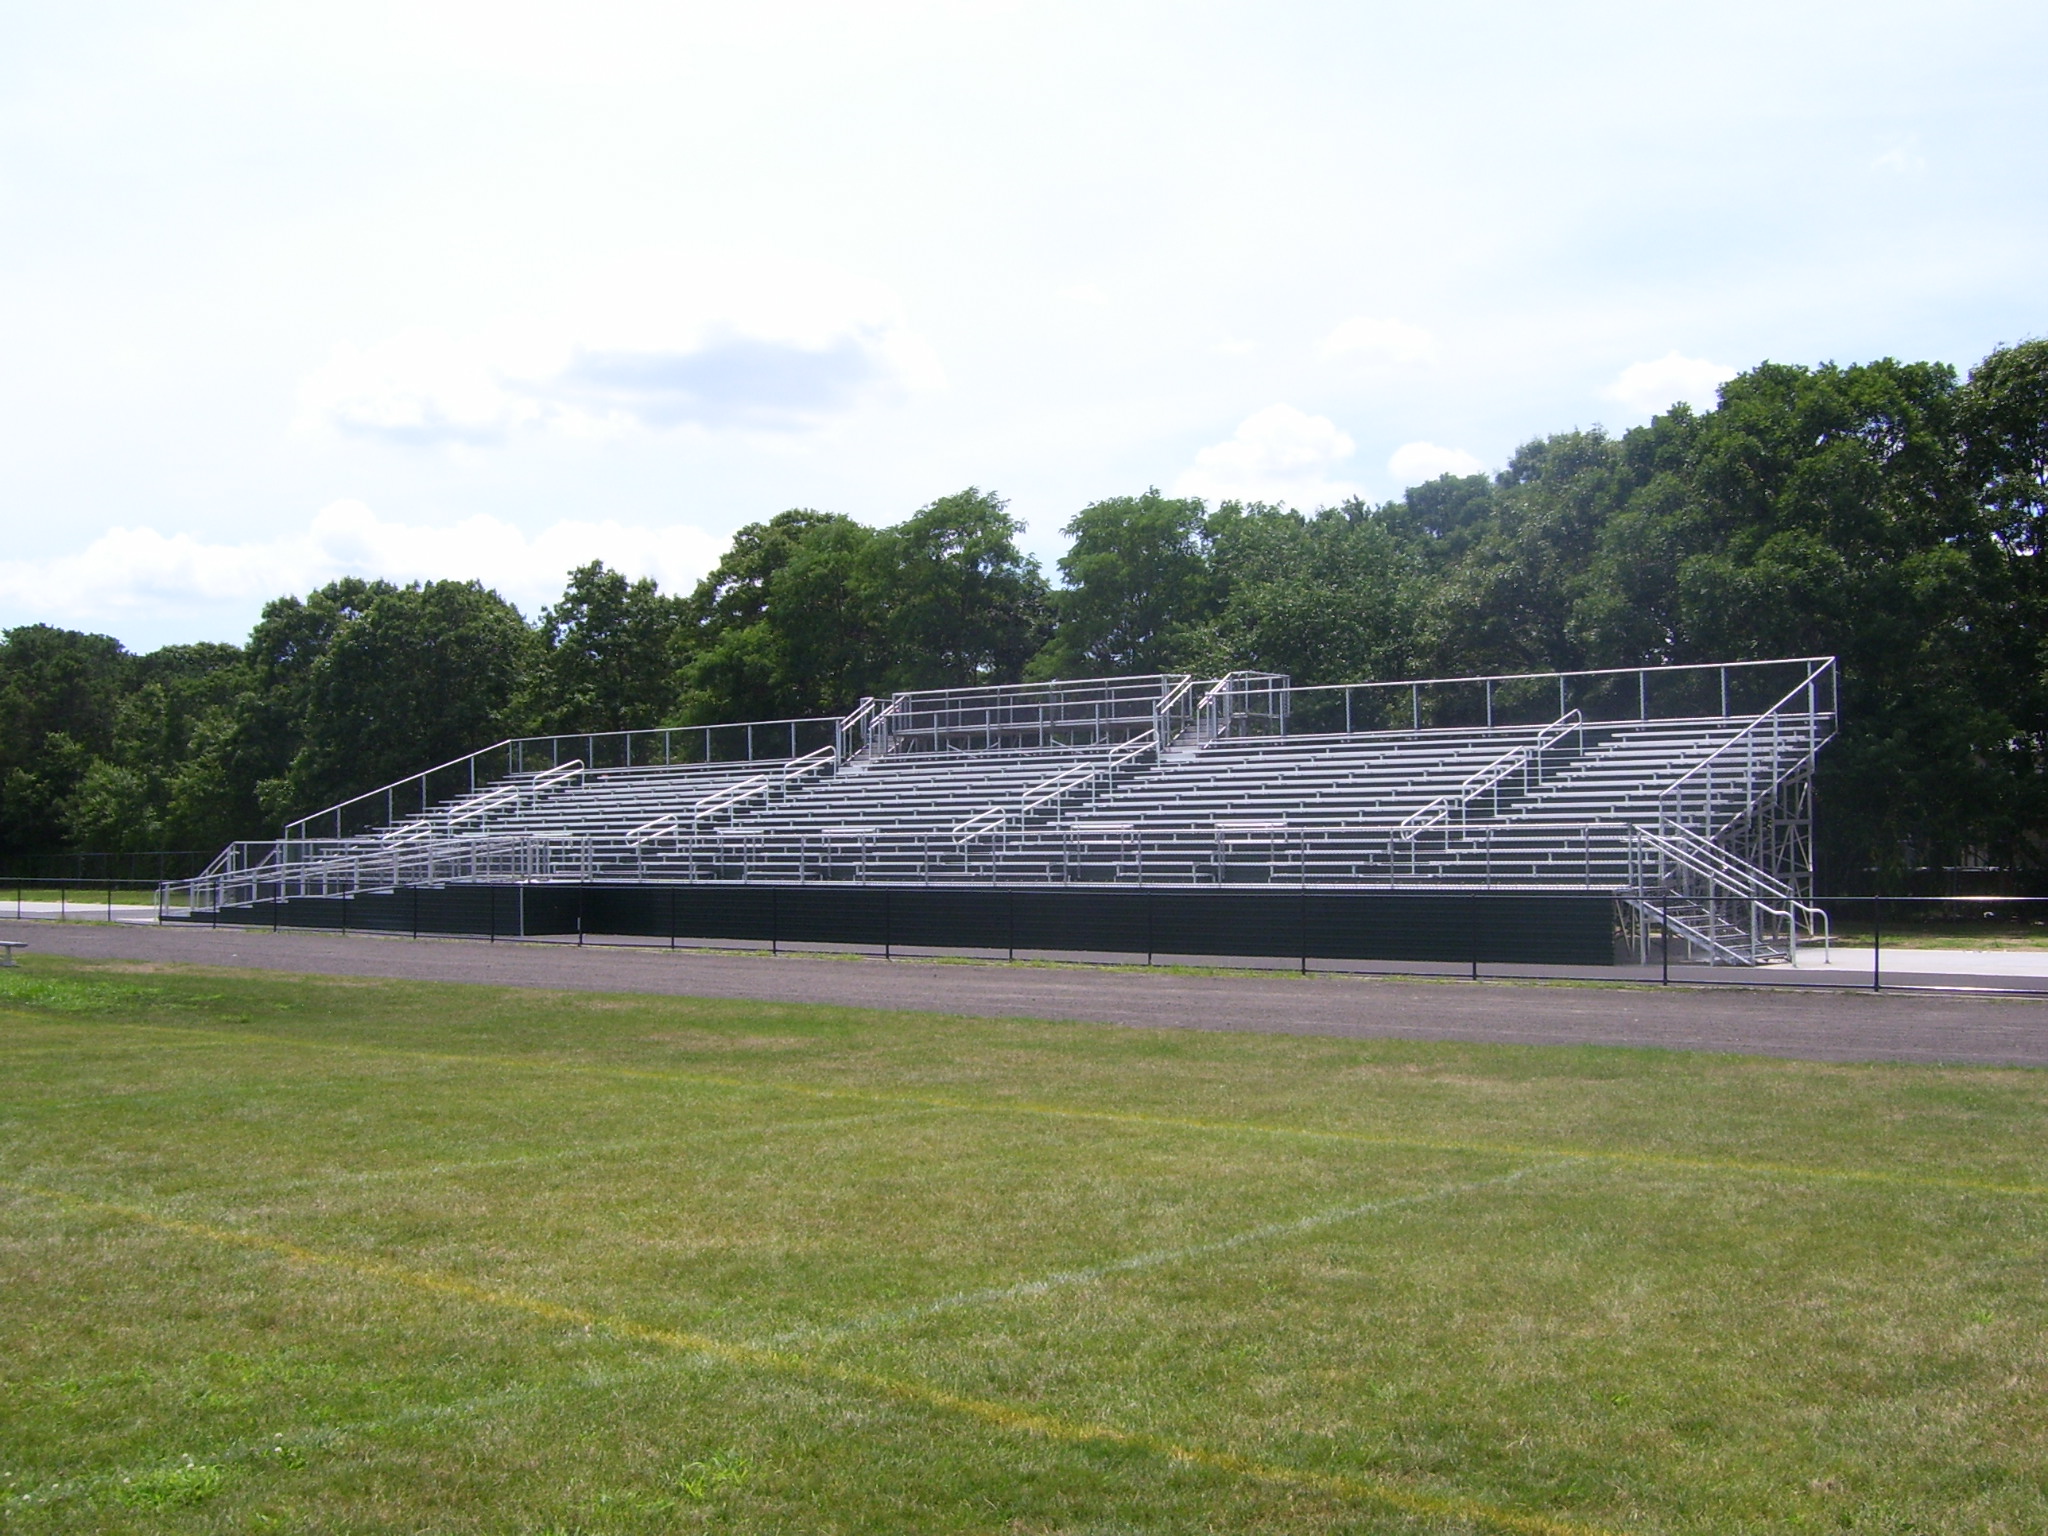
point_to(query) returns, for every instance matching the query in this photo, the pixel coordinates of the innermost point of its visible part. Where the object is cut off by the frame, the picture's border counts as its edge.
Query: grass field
(333, 1255)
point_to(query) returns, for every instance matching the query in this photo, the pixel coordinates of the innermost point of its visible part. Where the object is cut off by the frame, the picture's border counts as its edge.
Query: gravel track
(1784, 1021)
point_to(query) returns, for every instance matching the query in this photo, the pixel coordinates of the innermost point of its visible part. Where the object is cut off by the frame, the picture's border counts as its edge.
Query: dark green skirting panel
(1491, 927)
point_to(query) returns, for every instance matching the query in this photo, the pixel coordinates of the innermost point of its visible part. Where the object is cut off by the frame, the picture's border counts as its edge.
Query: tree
(59, 694)
(810, 610)
(607, 657)
(788, 624)
(1324, 597)
(1138, 588)
(421, 675)
(962, 606)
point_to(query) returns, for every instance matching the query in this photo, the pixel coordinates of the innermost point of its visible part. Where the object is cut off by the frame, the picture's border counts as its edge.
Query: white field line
(327, 1436)
(1392, 1492)
(1154, 1259)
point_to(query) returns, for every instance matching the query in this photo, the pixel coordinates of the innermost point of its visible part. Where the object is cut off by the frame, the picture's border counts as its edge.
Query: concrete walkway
(1793, 1021)
(77, 909)
(1933, 965)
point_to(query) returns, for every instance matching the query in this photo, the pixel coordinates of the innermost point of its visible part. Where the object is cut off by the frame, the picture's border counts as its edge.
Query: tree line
(1889, 513)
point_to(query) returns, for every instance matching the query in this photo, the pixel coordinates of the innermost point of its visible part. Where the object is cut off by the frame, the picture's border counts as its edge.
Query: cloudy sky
(421, 289)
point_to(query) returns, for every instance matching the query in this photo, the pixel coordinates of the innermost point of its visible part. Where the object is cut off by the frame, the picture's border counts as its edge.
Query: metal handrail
(528, 790)
(992, 820)
(996, 817)
(648, 831)
(821, 761)
(1747, 738)
(1162, 712)
(1213, 715)
(515, 750)
(1700, 856)
(858, 719)
(1439, 810)
(1739, 880)
(733, 794)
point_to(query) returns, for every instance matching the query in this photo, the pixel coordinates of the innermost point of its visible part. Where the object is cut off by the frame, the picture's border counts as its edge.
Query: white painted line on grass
(1153, 1259)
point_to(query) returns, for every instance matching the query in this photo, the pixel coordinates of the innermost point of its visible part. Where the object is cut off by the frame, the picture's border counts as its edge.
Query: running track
(1787, 1021)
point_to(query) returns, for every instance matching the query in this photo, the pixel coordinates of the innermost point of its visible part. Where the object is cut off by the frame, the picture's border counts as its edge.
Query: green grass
(303, 1254)
(81, 896)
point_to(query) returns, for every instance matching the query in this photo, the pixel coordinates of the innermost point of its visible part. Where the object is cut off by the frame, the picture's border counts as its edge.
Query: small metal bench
(8, 947)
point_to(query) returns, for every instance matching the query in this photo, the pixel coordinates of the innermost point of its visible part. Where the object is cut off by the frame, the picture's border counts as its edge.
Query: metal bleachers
(1685, 792)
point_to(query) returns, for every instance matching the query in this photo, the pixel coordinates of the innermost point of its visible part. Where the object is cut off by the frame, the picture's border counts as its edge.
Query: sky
(421, 290)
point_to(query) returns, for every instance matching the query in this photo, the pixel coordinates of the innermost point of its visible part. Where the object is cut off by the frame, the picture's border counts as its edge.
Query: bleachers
(1158, 781)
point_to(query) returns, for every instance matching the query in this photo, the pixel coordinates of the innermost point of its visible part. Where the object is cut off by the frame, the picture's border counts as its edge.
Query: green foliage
(1139, 583)
(961, 607)
(810, 611)
(423, 674)
(788, 624)
(607, 656)
(1324, 598)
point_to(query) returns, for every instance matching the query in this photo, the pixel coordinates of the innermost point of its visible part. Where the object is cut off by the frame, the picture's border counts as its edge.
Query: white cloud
(1380, 341)
(1278, 454)
(140, 576)
(1647, 388)
(708, 341)
(1902, 157)
(1416, 463)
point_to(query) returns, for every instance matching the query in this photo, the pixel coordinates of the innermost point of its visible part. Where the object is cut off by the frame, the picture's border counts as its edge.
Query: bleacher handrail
(754, 739)
(1441, 809)
(1086, 775)
(1671, 801)
(1727, 877)
(520, 791)
(1169, 708)
(849, 732)
(724, 799)
(1571, 689)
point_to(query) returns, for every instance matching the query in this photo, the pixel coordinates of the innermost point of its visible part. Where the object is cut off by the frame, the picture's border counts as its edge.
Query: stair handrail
(1067, 781)
(1669, 801)
(670, 823)
(1702, 856)
(720, 800)
(1701, 936)
(1714, 861)
(1441, 809)
(995, 817)
(848, 735)
(824, 760)
(877, 730)
(1211, 706)
(1163, 711)
(649, 831)
(526, 790)
(1740, 879)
